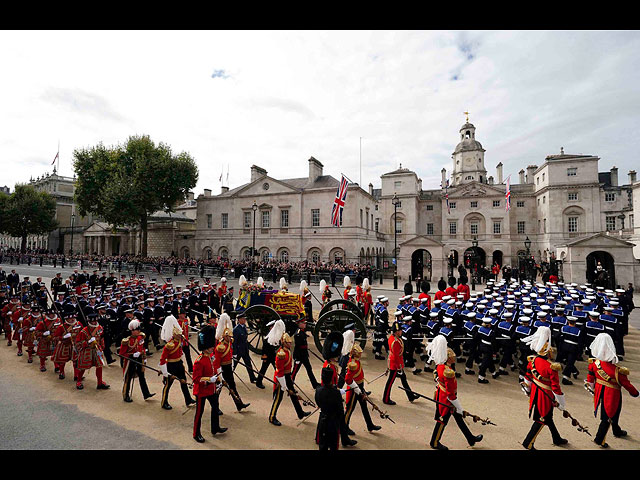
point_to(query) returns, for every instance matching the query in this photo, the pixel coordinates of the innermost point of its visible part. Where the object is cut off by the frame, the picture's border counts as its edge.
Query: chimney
(315, 169)
(632, 176)
(190, 196)
(499, 171)
(257, 172)
(530, 170)
(207, 192)
(614, 176)
(444, 177)
(371, 189)
(490, 180)
(521, 173)
(224, 190)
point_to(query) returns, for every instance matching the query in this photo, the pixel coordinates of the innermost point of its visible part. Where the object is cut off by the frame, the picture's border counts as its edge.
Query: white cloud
(276, 98)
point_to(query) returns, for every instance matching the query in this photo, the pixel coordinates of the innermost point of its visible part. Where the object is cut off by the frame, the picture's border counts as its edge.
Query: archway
(184, 252)
(497, 257)
(421, 264)
(606, 277)
(469, 260)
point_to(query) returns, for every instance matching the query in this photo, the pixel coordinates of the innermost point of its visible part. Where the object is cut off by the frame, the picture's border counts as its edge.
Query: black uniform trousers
(486, 363)
(246, 359)
(538, 425)
(215, 418)
(227, 374)
(303, 360)
(268, 358)
(176, 369)
(186, 350)
(605, 421)
(278, 394)
(386, 396)
(472, 352)
(379, 341)
(508, 349)
(571, 354)
(441, 423)
(363, 406)
(134, 369)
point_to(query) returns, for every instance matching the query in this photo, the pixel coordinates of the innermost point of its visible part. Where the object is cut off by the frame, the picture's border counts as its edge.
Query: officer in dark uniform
(382, 327)
(308, 307)
(268, 358)
(329, 400)
(151, 330)
(241, 347)
(93, 280)
(301, 353)
(470, 346)
(105, 323)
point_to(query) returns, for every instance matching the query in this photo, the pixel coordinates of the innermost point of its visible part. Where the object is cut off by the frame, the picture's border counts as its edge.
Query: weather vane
(467, 114)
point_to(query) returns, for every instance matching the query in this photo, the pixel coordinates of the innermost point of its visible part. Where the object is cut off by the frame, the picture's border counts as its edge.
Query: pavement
(41, 411)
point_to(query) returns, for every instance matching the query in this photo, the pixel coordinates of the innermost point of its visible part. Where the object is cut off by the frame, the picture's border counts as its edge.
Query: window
(361, 225)
(225, 220)
(376, 207)
(609, 197)
(315, 217)
(469, 177)
(544, 225)
(398, 225)
(209, 220)
(520, 203)
(543, 177)
(610, 223)
(496, 203)
(474, 228)
(266, 220)
(452, 205)
(521, 226)
(474, 204)
(572, 197)
(631, 220)
(284, 256)
(247, 220)
(429, 228)
(429, 208)
(453, 228)
(572, 172)
(544, 199)
(284, 218)
(247, 254)
(397, 184)
(573, 224)
(537, 180)
(538, 202)
(377, 223)
(315, 256)
(265, 255)
(496, 227)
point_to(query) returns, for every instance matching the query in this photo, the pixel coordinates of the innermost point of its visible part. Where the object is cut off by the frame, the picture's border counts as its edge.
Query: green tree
(125, 184)
(27, 212)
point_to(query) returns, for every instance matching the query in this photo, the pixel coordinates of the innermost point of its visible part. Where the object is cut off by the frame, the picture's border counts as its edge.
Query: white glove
(68, 335)
(213, 379)
(32, 329)
(47, 333)
(282, 383)
(560, 400)
(92, 339)
(355, 388)
(456, 403)
(163, 369)
(20, 319)
(136, 355)
(342, 391)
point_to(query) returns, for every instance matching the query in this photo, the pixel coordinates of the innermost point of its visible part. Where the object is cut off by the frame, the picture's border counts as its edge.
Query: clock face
(265, 186)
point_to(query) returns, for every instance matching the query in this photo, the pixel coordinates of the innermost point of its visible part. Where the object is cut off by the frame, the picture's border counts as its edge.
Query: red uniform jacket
(368, 301)
(223, 353)
(88, 353)
(345, 294)
(65, 346)
(45, 344)
(203, 367)
(355, 373)
(222, 291)
(464, 290)
(28, 336)
(128, 347)
(396, 348)
(609, 379)
(185, 331)
(284, 363)
(172, 352)
(333, 366)
(446, 389)
(17, 323)
(425, 295)
(451, 291)
(438, 295)
(543, 376)
(359, 294)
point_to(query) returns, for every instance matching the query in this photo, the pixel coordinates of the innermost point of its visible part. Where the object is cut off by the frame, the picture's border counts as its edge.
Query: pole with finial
(467, 114)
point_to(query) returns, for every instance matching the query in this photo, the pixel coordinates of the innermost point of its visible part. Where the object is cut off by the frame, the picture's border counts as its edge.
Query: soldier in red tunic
(204, 384)
(606, 380)
(29, 322)
(325, 292)
(64, 336)
(224, 357)
(171, 361)
(7, 315)
(282, 376)
(396, 366)
(542, 383)
(44, 337)
(18, 331)
(90, 346)
(183, 321)
(346, 282)
(354, 379)
(446, 393)
(132, 347)
(367, 302)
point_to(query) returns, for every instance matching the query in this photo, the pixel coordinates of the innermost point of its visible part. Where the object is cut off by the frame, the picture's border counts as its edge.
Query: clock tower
(468, 157)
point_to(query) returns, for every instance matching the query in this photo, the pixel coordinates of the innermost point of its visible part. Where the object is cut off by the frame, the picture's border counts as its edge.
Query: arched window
(284, 255)
(264, 255)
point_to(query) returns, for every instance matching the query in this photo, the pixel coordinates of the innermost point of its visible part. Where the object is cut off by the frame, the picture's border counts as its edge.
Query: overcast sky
(233, 99)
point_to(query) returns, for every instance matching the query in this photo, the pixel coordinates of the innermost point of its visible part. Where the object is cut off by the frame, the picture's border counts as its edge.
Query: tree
(125, 184)
(27, 212)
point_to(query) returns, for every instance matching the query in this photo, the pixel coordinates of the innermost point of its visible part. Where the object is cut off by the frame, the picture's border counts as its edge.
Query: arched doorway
(497, 257)
(469, 260)
(606, 277)
(421, 264)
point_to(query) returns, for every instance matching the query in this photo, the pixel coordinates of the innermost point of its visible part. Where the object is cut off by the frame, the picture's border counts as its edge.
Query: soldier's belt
(540, 384)
(607, 384)
(171, 360)
(571, 342)
(485, 342)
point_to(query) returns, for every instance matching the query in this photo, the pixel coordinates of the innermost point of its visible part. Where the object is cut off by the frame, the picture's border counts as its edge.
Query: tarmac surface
(39, 411)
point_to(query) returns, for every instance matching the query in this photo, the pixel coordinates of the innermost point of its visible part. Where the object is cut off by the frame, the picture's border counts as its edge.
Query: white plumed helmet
(275, 334)
(170, 323)
(540, 341)
(323, 285)
(224, 323)
(260, 281)
(243, 281)
(365, 284)
(603, 348)
(349, 340)
(437, 350)
(283, 283)
(346, 282)
(303, 285)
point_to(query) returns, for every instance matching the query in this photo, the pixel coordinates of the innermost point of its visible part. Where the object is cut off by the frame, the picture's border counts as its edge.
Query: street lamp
(73, 221)
(527, 245)
(253, 249)
(395, 202)
(474, 266)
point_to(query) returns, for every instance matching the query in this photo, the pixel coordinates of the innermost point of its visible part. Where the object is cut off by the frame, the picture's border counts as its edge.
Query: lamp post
(474, 266)
(73, 221)
(395, 203)
(253, 248)
(527, 265)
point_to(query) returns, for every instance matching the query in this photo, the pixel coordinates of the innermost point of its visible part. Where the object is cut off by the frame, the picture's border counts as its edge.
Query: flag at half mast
(339, 202)
(507, 195)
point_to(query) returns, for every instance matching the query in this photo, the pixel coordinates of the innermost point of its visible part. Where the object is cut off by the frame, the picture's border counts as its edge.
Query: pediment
(421, 241)
(600, 240)
(476, 189)
(265, 185)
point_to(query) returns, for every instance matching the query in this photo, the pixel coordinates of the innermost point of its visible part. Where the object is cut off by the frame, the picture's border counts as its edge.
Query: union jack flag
(446, 194)
(507, 196)
(338, 203)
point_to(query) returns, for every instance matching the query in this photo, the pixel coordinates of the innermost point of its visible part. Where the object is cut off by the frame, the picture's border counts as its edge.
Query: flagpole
(58, 156)
(360, 161)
